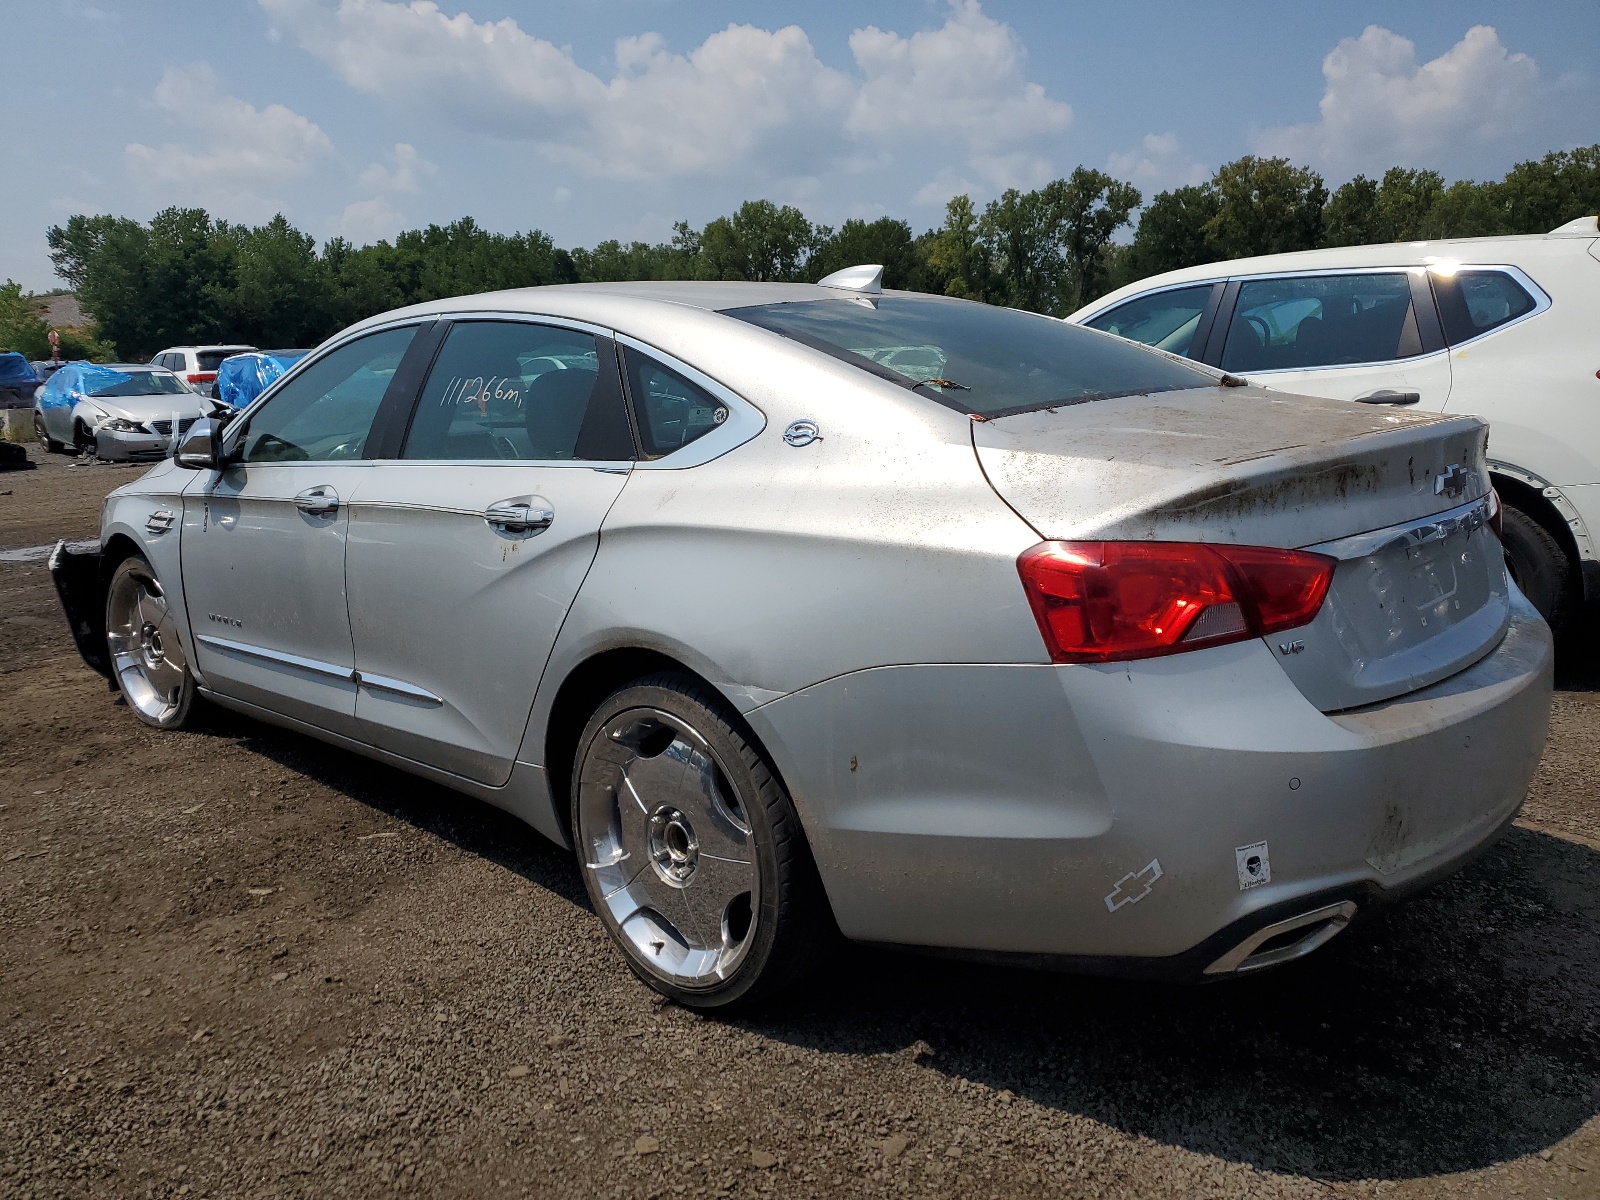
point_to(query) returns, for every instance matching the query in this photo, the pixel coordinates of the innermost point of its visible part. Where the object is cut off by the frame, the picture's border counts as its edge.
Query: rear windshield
(144, 383)
(973, 357)
(209, 359)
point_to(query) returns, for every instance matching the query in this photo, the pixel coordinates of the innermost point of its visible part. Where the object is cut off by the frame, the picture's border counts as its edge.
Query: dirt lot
(234, 962)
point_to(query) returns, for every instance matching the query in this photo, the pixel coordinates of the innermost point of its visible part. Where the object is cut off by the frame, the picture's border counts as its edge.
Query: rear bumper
(1103, 818)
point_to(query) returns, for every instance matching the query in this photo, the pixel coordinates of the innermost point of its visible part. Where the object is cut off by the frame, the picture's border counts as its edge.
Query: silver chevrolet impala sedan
(809, 610)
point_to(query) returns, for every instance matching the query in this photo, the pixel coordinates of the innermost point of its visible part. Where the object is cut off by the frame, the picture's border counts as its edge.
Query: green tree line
(187, 277)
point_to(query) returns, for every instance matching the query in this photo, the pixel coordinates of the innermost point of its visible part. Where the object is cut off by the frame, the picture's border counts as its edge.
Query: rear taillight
(1496, 513)
(1106, 601)
(201, 376)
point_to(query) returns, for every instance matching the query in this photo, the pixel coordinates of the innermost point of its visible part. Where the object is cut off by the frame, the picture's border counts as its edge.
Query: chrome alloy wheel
(667, 842)
(143, 640)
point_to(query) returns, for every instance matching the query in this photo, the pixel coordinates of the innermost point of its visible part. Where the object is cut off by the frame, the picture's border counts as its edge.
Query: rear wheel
(1540, 567)
(690, 847)
(146, 656)
(39, 431)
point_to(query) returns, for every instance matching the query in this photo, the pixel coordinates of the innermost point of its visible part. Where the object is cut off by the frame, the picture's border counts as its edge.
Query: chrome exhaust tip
(1284, 941)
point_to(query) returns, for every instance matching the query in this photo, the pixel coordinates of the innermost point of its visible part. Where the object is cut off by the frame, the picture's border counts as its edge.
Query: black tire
(82, 440)
(792, 929)
(1540, 567)
(49, 443)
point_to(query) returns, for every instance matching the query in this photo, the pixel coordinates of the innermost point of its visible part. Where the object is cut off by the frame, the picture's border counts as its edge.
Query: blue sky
(614, 118)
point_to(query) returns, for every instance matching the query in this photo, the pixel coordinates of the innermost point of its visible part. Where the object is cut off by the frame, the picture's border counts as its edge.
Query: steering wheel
(1260, 326)
(349, 448)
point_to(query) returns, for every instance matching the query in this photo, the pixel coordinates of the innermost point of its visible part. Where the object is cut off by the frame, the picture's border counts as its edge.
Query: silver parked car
(116, 411)
(804, 610)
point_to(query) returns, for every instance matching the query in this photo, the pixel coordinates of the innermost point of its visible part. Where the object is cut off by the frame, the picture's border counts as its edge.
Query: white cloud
(1157, 165)
(234, 150)
(1380, 107)
(744, 97)
(366, 221)
(963, 80)
(409, 169)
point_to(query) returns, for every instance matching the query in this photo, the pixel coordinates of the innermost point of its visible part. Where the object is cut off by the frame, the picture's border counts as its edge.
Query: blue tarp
(243, 377)
(16, 371)
(75, 381)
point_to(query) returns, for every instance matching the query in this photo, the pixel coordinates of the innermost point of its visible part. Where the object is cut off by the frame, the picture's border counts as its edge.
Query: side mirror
(201, 447)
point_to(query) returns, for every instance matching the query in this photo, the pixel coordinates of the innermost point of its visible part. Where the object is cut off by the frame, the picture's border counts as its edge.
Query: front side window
(516, 390)
(976, 358)
(671, 412)
(1321, 321)
(325, 413)
(1166, 320)
(1474, 302)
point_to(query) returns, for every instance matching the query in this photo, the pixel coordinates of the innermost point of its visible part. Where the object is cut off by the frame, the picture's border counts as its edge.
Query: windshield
(973, 357)
(144, 383)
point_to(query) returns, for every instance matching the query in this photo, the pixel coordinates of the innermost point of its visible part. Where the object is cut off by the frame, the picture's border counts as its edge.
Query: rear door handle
(318, 501)
(1389, 396)
(520, 514)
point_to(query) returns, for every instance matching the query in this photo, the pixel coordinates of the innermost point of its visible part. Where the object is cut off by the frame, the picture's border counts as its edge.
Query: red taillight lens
(1106, 601)
(1496, 514)
(201, 376)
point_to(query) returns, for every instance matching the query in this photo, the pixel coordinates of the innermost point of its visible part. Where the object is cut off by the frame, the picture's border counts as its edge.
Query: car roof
(590, 301)
(1507, 250)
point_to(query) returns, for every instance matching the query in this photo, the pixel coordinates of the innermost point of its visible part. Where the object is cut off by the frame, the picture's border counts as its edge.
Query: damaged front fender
(76, 574)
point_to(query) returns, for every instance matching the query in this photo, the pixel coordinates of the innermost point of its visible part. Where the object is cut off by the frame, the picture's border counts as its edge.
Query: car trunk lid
(1400, 499)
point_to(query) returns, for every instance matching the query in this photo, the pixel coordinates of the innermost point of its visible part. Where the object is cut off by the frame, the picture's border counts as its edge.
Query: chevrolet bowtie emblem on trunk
(1134, 886)
(1452, 481)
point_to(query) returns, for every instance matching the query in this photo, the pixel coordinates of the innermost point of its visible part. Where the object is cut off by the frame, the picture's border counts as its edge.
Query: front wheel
(690, 847)
(40, 431)
(1540, 567)
(146, 656)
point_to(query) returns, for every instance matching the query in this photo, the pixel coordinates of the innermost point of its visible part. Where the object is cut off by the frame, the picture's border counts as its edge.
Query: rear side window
(1321, 321)
(1166, 320)
(1474, 302)
(670, 411)
(516, 390)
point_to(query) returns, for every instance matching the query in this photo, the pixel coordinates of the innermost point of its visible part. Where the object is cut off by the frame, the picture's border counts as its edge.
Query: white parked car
(792, 608)
(197, 365)
(1502, 328)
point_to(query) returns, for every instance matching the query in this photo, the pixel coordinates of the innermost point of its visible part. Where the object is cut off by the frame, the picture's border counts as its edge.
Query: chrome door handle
(1389, 396)
(318, 501)
(518, 515)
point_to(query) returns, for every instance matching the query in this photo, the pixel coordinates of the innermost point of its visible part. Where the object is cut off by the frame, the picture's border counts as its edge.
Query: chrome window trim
(1382, 362)
(744, 421)
(1463, 518)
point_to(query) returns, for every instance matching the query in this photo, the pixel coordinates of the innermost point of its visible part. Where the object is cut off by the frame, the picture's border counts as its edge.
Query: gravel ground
(234, 962)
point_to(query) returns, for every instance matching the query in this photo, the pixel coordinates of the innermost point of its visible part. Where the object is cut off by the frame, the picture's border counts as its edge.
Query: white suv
(196, 365)
(1503, 328)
